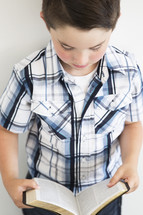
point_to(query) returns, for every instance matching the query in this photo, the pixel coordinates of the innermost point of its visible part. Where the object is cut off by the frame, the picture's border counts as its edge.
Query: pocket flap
(49, 108)
(114, 101)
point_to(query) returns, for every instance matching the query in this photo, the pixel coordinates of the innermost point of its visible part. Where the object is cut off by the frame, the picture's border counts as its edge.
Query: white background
(22, 32)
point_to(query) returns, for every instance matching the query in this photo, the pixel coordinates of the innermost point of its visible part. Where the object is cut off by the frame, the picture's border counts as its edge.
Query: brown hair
(83, 14)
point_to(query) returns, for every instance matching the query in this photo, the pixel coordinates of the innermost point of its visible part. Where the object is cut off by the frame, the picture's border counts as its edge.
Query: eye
(95, 49)
(67, 48)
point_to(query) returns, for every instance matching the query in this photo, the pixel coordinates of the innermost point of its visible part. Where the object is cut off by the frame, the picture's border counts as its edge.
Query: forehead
(78, 38)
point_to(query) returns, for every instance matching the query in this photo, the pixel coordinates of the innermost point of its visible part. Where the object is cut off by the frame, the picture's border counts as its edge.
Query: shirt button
(84, 138)
(112, 104)
(83, 160)
(83, 177)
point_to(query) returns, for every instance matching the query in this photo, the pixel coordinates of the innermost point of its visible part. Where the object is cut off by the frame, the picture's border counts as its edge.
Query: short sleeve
(15, 106)
(135, 110)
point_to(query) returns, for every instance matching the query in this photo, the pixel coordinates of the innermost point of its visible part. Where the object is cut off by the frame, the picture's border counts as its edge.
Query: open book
(55, 197)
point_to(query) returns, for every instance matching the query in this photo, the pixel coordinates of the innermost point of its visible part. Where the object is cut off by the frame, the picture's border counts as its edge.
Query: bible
(57, 198)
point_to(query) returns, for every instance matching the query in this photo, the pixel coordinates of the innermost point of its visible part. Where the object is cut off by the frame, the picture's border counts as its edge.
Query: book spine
(126, 184)
(24, 198)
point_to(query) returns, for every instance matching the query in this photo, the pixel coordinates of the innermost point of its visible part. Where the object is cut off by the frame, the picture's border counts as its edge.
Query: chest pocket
(55, 116)
(110, 112)
(113, 102)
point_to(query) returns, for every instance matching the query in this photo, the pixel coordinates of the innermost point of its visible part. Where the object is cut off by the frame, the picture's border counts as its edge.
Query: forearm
(9, 168)
(8, 154)
(131, 142)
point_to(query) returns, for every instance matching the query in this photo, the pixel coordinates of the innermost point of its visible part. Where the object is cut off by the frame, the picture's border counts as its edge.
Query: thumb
(114, 179)
(30, 184)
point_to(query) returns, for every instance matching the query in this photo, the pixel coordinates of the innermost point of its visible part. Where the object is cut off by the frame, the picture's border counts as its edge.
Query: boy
(80, 100)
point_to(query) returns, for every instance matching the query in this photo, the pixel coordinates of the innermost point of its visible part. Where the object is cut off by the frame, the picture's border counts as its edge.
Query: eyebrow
(89, 47)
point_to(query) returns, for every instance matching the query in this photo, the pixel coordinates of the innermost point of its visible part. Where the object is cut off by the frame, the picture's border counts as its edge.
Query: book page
(86, 201)
(56, 194)
(95, 196)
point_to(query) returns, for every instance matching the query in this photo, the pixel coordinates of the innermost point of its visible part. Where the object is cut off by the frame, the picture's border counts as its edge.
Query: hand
(129, 173)
(16, 187)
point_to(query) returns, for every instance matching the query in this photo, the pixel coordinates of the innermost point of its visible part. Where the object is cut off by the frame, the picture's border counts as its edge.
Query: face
(79, 50)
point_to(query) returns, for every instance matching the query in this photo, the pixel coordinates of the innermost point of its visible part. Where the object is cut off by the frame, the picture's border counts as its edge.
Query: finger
(25, 184)
(115, 179)
(132, 184)
(30, 184)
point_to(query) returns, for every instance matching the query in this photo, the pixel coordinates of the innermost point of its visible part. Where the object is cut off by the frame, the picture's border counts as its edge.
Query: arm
(130, 142)
(9, 167)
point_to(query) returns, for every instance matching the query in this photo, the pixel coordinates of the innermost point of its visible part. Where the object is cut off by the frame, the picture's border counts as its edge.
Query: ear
(42, 16)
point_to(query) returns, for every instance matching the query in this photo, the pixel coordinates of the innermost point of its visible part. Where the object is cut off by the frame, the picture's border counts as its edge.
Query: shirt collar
(102, 71)
(52, 64)
(117, 60)
(114, 61)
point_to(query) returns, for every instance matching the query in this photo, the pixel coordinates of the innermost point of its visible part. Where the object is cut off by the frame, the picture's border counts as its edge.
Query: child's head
(83, 14)
(80, 30)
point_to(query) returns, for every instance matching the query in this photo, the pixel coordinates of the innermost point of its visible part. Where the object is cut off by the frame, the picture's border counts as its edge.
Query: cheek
(95, 57)
(63, 55)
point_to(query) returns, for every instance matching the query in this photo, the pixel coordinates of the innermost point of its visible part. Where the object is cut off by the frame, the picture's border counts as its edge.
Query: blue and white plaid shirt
(74, 151)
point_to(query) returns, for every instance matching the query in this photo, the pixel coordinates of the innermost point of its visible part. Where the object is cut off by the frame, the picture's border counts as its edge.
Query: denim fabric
(114, 208)
(37, 211)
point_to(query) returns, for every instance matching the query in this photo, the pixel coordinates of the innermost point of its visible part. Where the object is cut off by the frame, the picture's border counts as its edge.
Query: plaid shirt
(74, 151)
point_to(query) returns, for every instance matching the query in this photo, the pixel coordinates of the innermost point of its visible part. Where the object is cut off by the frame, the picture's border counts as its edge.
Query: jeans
(114, 208)
(37, 211)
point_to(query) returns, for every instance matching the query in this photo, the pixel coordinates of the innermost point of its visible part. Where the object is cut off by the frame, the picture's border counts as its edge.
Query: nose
(81, 58)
